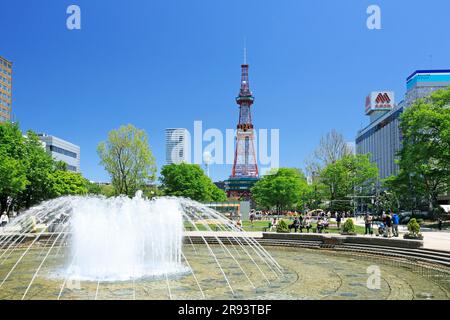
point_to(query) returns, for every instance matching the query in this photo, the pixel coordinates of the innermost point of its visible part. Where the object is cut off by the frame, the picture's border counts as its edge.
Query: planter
(410, 236)
(348, 233)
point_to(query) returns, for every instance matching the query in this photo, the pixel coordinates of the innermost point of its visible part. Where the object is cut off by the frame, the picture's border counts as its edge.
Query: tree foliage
(425, 155)
(67, 183)
(127, 158)
(189, 180)
(28, 175)
(353, 175)
(282, 189)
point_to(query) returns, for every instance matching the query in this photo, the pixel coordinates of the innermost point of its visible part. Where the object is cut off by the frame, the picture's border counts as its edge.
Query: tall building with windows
(177, 145)
(382, 138)
(5, 90)
(62, 150)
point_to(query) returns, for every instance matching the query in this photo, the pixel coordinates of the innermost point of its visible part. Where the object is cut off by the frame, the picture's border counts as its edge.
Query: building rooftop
(428, 71)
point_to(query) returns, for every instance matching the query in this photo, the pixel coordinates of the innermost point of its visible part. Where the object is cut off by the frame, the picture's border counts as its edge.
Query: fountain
(126, 238)
(121, 239)
(94, 247)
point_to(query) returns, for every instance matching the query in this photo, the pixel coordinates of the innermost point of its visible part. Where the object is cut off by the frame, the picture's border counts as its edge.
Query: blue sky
(166, 63)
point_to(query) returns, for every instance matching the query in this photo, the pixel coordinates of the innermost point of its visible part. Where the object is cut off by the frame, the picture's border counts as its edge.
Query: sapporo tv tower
(245, 167)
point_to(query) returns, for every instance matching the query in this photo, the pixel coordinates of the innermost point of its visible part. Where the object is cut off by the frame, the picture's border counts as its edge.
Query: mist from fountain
(121, 238)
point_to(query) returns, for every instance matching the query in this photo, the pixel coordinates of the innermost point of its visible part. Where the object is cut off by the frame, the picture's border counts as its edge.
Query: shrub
(348, 227)
(414, 230)
(282, 227)
(413, 226)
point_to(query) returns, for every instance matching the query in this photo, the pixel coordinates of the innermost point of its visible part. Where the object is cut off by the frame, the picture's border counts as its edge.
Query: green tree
(189, 180)
(12, 168)
(351, 176)
(425, 154)
(127, 158)
(107, 191)
(282, 188)
(93, 188)
(315, 195)
(28, 175)
(38, 166)
(12, 179)
(66, 183)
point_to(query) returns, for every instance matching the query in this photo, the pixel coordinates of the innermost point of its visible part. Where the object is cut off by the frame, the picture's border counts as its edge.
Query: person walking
(395, 223)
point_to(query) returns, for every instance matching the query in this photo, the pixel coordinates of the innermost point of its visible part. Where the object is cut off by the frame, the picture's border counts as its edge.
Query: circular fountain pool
(122, 248)
(307, 274)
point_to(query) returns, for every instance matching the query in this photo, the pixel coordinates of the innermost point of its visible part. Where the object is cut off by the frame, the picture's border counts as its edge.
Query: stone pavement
(432, 239)
(437, 240)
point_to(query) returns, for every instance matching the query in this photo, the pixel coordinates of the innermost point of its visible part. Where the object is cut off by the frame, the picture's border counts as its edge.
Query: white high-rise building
(177, 146)
(62, 150)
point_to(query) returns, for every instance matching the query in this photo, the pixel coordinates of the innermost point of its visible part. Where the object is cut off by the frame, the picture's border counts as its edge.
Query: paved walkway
(432, 239)
(438, 240)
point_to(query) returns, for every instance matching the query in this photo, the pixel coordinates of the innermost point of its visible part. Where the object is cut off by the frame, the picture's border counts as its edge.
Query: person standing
(338, 220)
(274, 224)
(4, 219)
(388, 226)
(239, 223)
(368, 224)
(252, 217)
(395, 223)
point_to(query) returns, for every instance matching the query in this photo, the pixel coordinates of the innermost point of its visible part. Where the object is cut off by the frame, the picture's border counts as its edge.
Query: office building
(382, 137)
(177, 145)
(5, 90)
(62, 150)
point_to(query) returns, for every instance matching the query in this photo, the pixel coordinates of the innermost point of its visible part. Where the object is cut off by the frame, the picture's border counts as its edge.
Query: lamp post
(207, 160)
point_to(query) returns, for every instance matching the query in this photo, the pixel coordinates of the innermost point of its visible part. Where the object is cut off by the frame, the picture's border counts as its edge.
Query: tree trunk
(3, 204)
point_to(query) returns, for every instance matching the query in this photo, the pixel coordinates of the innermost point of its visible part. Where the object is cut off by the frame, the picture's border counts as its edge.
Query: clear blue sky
(166, 63)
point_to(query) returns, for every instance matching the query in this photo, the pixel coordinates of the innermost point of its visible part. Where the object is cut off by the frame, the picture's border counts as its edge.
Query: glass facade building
(382, 138)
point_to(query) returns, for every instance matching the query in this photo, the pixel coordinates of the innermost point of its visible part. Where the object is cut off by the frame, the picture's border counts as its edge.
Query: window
(63, 151)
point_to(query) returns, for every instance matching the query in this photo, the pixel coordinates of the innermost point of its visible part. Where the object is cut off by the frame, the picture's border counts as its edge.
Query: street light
(207, 158)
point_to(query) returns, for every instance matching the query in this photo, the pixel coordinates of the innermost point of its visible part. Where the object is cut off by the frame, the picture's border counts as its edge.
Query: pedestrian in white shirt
(4, 219)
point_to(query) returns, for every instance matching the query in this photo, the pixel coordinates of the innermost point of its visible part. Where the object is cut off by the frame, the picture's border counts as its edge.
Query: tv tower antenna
(245, 50)
(245, 167)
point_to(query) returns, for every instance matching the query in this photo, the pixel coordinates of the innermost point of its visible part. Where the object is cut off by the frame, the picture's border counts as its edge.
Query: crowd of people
(300, 222)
